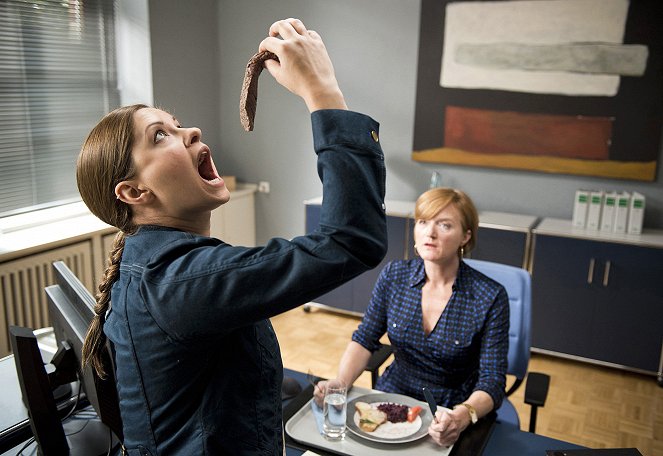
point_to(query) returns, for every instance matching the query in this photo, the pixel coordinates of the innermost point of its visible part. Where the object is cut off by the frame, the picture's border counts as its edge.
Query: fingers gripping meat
(249, 97)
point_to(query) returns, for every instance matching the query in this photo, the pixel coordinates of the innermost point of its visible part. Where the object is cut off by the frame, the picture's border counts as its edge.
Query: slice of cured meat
(249, 97)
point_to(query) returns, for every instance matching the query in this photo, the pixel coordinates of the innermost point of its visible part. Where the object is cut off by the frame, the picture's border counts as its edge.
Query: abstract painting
(560, 86)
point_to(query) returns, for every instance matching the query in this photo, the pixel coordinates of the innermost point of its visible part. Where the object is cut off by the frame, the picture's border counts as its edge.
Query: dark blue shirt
(466, 350)
(197, 362)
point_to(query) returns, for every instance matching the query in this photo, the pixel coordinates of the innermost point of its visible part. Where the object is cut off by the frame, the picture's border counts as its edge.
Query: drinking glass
(334, 410)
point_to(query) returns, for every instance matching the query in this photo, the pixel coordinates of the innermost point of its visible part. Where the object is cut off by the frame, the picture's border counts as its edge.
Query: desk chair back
(518, 285)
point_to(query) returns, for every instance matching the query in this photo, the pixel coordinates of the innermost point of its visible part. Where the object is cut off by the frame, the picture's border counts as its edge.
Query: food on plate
(369, 418)
(396, 413)
(413, 413)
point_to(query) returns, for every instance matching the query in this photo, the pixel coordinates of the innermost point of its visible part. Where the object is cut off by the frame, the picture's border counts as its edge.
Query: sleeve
(494, 349)
(374, 324)
(229, 287)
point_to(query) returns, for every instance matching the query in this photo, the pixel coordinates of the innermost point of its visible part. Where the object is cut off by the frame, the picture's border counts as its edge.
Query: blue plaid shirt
(465, 352)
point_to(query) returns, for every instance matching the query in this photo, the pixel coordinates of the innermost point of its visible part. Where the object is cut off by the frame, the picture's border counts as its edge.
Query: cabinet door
(563, 305)
(356, 294)
(501, 246)
(341, 297)
(628, 324)
(364, 284)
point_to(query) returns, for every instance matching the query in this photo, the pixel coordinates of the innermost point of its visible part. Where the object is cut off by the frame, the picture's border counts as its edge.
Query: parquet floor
(587, 405)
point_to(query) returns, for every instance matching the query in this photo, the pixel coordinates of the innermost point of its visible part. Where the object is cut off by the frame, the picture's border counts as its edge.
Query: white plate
(390, 432)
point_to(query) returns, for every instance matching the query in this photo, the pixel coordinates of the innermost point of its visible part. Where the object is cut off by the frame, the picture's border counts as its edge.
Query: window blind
(57, 79)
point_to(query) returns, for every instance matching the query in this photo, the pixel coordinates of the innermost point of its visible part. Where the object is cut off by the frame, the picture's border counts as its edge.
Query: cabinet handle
(590, 273)
(606, 273)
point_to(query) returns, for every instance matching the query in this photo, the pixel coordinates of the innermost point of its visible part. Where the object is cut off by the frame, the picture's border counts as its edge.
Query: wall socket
(263, 187)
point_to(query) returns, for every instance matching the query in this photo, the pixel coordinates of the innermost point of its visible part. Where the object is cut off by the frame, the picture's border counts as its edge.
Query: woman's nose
(192, 136)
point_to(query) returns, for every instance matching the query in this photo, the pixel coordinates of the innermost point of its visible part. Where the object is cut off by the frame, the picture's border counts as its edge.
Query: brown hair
(434, 200)
(104, 161)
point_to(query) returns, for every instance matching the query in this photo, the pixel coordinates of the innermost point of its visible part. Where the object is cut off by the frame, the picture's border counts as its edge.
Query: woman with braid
(198, 366)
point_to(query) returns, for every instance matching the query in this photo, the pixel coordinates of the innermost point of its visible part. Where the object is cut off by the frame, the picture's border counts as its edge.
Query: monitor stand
(62, 393)
(88, 437)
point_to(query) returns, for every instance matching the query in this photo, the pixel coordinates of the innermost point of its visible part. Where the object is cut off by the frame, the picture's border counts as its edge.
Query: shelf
(562, 227)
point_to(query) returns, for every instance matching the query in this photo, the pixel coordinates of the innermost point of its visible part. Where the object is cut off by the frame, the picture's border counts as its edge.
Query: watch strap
(473, 413)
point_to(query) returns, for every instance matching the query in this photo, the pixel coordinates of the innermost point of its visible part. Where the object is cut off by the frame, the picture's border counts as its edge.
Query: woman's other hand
(319, 392)
(447, 426)
(304, 65)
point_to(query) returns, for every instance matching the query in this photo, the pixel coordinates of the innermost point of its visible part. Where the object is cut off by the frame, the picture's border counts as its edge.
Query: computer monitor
(71, 311)
(36, 389)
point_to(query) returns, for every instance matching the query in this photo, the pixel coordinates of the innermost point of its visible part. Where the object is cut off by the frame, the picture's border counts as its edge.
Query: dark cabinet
(355, 295)
(598, 297)
(503, 238)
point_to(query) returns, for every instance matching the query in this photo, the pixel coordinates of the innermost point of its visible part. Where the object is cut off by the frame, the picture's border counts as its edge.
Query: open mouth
(206, 167)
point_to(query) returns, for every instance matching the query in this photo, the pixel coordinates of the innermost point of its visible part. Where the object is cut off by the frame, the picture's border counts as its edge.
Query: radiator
(22, 282)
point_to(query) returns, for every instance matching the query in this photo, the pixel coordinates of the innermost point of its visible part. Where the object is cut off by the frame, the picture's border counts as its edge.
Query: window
(57, 79)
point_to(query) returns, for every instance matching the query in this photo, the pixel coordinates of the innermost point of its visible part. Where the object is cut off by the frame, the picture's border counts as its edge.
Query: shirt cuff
(338, 126)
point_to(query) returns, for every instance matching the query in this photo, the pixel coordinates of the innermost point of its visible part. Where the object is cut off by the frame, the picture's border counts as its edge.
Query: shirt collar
(418, 276)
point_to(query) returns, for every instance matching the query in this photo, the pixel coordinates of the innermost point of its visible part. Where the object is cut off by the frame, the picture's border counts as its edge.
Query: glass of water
(334, 410)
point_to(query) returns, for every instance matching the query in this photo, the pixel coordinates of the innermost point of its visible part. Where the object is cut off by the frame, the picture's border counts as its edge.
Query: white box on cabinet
(608, 211)
(580, 207)
(621, 212)
(594, 210)
(636, 213)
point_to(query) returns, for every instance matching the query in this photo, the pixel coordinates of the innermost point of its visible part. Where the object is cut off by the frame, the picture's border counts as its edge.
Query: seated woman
(448, 324)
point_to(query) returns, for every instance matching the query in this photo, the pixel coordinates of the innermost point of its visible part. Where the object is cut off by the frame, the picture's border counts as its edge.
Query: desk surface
(503, 439)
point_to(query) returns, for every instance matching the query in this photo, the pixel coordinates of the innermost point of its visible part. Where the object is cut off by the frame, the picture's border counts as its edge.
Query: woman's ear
(131, 193)
(466, 239)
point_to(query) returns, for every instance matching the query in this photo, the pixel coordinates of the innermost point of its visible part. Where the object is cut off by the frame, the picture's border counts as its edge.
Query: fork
(312, 379)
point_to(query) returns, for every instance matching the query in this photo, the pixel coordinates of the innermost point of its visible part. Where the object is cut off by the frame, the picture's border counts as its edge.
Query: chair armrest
(377, 359)
(536, 389)
(516, 384)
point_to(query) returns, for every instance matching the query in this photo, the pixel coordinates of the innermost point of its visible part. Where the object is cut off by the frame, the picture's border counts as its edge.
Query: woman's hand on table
(319, 392)
(447, 426)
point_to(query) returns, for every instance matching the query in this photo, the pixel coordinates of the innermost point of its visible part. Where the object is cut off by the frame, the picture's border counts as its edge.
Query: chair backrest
(518, 285)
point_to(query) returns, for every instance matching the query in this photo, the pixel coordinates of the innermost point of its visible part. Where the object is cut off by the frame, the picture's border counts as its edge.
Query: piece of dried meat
(249, 96)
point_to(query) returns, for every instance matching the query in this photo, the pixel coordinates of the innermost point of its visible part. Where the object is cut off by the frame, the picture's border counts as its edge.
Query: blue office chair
(517, 283)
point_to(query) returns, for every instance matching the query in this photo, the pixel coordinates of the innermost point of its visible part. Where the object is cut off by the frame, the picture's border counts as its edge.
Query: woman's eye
(159, 135)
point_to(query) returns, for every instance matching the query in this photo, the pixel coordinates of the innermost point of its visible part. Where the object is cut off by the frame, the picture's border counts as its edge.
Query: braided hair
(104, 161)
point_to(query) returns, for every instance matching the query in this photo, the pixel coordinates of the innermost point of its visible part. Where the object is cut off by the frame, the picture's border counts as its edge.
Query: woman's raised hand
(304, 66)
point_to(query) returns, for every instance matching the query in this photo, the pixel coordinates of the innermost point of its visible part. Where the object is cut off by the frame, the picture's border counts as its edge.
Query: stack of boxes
(613, 212)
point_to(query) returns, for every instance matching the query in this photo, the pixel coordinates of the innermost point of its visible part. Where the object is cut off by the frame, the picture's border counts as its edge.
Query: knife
(431, 401)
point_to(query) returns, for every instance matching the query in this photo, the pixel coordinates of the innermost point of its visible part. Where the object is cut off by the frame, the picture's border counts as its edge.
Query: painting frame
(628, 124)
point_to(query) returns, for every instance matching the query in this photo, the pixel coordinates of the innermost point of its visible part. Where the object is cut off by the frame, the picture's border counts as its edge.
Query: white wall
(134, 57)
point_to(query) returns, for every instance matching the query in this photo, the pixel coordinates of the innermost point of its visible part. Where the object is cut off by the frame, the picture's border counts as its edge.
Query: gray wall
(373, 44)
(185, 63)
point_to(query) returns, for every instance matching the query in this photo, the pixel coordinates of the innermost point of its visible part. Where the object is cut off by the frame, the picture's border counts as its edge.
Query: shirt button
(374, 135)
(393, 325)
(456, 342)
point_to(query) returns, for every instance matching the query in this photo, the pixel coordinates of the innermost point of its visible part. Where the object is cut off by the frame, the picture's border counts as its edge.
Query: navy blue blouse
(466, 350)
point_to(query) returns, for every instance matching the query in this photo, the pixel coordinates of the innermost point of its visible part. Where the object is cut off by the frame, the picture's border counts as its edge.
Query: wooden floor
(587, 405)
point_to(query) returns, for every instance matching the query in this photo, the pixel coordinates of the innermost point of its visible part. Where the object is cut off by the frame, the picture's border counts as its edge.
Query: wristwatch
(473, 413)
